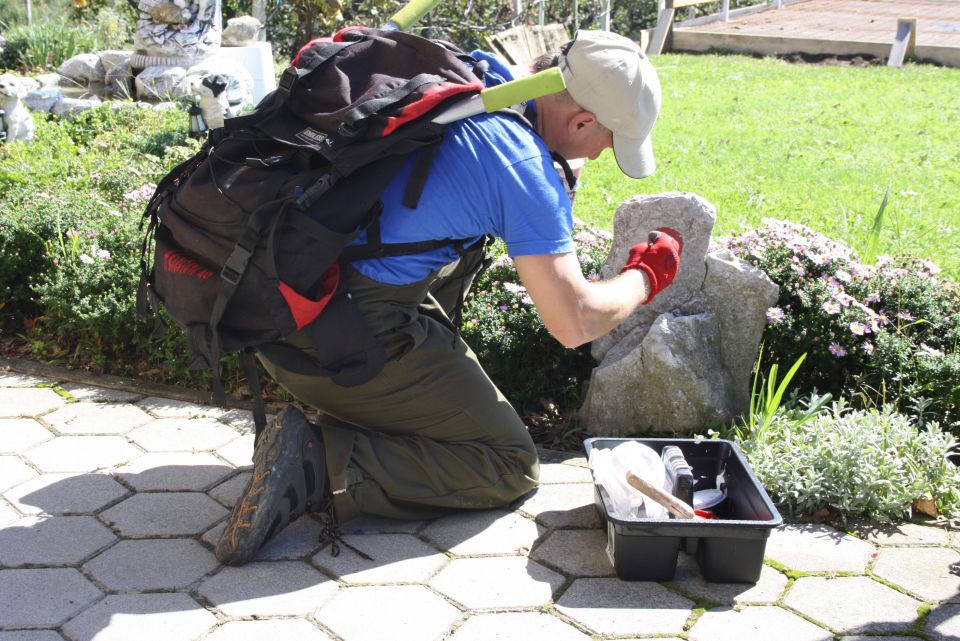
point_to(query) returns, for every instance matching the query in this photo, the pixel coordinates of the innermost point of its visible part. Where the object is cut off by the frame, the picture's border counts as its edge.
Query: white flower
(85, 259)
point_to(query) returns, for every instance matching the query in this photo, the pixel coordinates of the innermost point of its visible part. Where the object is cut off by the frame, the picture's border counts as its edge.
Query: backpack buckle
(288, 79)
(236, 264)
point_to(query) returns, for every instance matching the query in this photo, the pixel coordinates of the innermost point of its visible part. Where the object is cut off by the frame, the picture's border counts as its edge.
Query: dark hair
(548, 60)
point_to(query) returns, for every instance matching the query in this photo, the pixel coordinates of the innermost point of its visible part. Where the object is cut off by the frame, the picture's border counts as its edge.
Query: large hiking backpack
(249, 231)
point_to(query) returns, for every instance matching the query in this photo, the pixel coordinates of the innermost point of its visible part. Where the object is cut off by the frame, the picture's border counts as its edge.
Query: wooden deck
(833, 27)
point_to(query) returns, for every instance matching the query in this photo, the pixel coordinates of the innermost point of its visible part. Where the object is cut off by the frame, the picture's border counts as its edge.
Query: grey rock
(82, 69)
(119, 82)
(70, 107)
(110, 58)
(683, 361)
(158, 83)
(674, 381)
(241, 31)
(48, 80)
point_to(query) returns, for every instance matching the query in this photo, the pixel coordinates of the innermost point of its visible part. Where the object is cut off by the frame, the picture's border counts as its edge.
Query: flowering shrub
(501, 325)
(886, 333)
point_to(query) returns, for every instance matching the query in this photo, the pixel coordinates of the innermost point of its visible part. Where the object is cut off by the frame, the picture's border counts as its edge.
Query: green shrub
(46, 44)
(502, 326)
(860, 463)
(886, 333)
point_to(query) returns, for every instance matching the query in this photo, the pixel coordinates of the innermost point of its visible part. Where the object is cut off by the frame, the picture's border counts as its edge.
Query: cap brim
(635, 157)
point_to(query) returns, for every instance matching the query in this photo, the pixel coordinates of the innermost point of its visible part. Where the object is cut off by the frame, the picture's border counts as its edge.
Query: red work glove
(658, 258)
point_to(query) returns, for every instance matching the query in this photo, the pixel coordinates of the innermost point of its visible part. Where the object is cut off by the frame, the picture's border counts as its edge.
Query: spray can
(679, 473)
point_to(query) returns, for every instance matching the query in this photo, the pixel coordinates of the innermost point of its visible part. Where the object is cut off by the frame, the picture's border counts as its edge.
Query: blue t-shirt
(492, 175)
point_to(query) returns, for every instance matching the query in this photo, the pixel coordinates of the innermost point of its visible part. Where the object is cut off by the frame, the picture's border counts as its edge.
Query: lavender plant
(883, 333)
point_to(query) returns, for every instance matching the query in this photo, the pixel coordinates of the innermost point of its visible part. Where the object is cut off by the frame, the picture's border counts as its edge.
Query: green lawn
(813, 144)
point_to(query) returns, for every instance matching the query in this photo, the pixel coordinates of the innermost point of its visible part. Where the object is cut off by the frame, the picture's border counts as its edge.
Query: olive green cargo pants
(431, 432)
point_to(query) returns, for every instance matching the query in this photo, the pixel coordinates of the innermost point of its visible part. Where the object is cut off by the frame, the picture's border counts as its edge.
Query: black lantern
(3, 127)
(198, 126)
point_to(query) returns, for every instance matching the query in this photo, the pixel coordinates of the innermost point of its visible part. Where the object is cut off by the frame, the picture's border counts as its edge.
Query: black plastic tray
(728, 549)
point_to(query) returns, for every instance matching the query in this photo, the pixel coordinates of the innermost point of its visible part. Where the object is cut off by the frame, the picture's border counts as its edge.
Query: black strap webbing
(248, 363)
(352, 119)
(418, 177)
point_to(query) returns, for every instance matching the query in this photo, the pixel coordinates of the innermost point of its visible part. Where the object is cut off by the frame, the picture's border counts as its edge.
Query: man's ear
(581, 121)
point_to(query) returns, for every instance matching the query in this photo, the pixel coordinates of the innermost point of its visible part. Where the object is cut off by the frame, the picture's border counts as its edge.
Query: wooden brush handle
(675, 506)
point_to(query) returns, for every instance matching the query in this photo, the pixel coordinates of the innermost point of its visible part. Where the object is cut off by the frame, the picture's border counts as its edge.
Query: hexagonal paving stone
(174, 471)
(943, 624)
(14, 471)
(517, 625)
(56, 540)
(97, 418)
(299, 539)
(65, 494)
(764, 622)
(408, 612)
(82, 453)
(7, 514)
(576, 552)
(563, 505)
(169, 408)
(689, 580)
(30, 635)
(366, 524)
(610, 607)
(269, 589)
(818, 548)
(242, 420)
(484, 532)
(852, 604)
(164, 514)
(144, 617)
(396, 558)
(152, 564)
(28, 401)
(879, 638)
(238, 452)
(902, 534)
(229, 491)
(297, 629)
(19, 434)
(923, 571)
(182, 435)
(551, 473)
(15, 379)
(497, 582)
(43, 597)
(92, 394)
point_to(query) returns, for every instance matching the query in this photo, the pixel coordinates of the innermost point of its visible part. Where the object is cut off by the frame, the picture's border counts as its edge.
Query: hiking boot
(289, 478)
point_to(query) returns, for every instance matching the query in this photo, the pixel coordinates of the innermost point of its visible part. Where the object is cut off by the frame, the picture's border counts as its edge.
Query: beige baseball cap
(609, 75)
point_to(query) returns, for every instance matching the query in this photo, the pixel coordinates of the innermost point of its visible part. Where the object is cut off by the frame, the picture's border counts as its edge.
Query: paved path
(110, 502)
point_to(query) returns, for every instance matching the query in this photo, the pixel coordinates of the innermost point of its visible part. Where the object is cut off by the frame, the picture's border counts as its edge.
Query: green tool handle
(409, 14)
(516, 91)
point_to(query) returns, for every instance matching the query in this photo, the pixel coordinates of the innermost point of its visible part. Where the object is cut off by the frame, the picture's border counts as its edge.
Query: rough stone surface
(240, 32)
(563, 506)
(65, 494)
(577, 552)
(238, 452)
(678, 367)
(692, 348)
(298, 540)
(902, 534)
(853, 604)
(396, 558)
(174, 471)
(31, 401)
(275, 588)
(83, 68)
(70, 107)
(230, 490)
(164, 514)
(92, 394)
(158, 83)
(42, 100)
(943, 624)
(609, 607)
(516, 625)
(488, 532)
(152, 564)
(925, 572)
(183, 435)
(82, 454)
(292, 629)
(57, 540)
(409, 612)
(144, 617)
(110, 58)
(817, 548)
(96, 418)
(30, 635)
(497, 582)
(551, 473)
(13, 471)
(168, 408)
(20, 434)
(15, 379)
(727, 624)
(43, 597)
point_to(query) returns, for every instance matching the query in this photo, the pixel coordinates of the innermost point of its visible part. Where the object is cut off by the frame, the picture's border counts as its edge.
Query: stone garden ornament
(16, 123)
